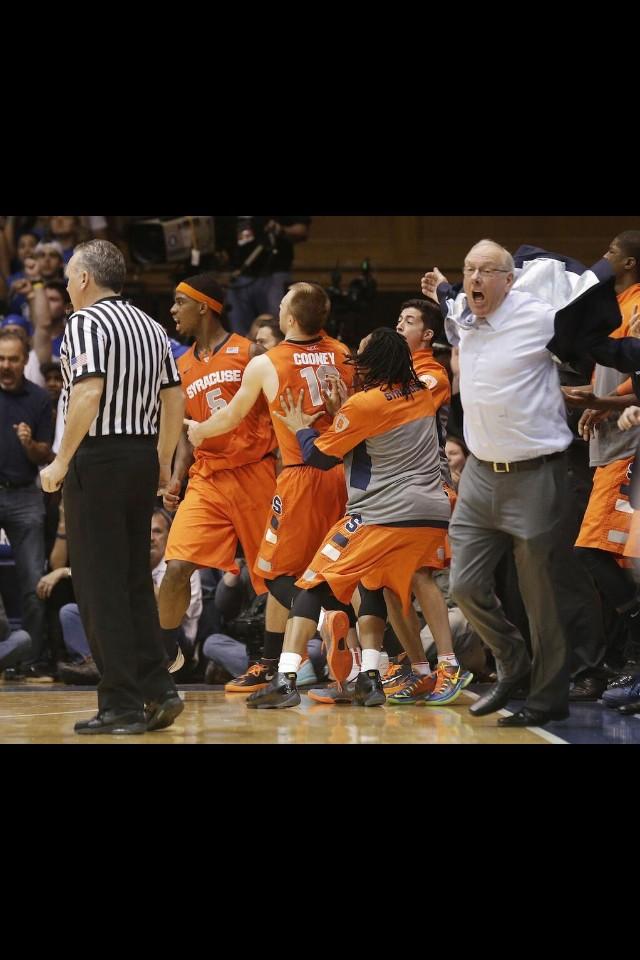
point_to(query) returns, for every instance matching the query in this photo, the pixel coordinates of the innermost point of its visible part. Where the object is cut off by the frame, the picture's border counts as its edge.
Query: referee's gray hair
(104, 262)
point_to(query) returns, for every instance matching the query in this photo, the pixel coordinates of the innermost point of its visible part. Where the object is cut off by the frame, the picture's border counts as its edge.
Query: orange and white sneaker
(258, 675)
(334, 630)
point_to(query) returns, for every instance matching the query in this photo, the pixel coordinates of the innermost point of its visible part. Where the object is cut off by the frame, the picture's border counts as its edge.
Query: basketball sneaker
(416, 687)
(368, 690)
(278, 693)
(334, 630)
(257, 676)
(450, 682)
(333, 693)
(396, 677)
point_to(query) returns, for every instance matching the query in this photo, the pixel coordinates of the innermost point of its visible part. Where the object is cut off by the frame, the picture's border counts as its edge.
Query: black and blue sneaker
(279, 693)
(368, 690)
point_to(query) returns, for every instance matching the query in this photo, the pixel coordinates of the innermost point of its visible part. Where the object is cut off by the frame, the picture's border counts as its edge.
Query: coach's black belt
(516, 465)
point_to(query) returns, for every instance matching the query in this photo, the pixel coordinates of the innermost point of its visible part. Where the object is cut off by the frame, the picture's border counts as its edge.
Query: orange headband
(202, 297)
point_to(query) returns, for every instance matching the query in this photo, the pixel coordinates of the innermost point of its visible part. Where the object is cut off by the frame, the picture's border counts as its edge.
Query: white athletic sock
(370, 660)
(355, 667)
(289, 662)
(450, 659)
(422, 668)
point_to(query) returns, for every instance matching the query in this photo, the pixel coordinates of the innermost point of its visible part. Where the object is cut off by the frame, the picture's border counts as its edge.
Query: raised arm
(40, 316)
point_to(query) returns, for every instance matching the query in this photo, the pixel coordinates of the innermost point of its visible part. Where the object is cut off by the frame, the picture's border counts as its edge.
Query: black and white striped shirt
(117, 341)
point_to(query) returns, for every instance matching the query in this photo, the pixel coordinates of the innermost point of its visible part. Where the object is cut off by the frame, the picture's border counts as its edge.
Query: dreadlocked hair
(386, 362)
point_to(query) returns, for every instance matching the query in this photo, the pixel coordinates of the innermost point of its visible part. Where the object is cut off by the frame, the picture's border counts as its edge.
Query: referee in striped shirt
(119, 375)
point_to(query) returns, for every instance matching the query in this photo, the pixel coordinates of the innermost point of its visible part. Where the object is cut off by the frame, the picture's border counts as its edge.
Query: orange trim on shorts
(607, 519)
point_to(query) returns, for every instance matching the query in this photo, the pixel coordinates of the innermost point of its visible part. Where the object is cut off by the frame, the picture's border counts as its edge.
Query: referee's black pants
(109, 497)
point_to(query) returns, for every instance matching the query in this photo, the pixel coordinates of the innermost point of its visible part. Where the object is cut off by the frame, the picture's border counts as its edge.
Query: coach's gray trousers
(523, 512)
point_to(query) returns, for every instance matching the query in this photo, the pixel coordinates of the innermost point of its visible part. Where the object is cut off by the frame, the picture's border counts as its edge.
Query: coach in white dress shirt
(513, 490)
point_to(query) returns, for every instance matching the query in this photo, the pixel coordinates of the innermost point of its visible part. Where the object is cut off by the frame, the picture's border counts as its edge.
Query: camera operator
(347, 308)
(259, 252)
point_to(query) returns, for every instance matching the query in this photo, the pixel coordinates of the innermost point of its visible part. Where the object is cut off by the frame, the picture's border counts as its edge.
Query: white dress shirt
(509, 384)
(192, 616)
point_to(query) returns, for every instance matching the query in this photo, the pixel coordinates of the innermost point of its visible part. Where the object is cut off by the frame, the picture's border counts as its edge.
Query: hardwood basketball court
(34, 714)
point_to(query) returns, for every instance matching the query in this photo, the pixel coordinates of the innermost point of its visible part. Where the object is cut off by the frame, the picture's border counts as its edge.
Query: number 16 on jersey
(318, 380)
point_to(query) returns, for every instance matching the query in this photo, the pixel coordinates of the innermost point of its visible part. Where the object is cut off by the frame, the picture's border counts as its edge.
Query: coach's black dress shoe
(110, 722)
(587, 688)
(532, 718)
(497, 697)
(162, 713)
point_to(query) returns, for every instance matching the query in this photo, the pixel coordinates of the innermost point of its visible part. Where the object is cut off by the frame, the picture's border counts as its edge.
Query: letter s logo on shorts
(340, 423)
(353, 523)
(277, 505)
(430, 381)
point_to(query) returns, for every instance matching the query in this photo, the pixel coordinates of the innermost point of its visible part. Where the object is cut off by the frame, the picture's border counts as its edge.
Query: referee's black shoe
(162, 713)
(280, 692)
(110, 722)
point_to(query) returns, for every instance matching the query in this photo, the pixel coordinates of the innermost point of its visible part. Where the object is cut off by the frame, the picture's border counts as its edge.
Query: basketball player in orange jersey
(307, 501)
(419, 323)
(397, 514)
(232, 480)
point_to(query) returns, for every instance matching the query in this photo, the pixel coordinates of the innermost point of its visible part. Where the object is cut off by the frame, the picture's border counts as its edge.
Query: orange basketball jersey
(306, 365)
(434, 375)
(211, 385)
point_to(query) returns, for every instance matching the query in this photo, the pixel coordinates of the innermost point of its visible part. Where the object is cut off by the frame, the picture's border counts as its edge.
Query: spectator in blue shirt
(25, 444)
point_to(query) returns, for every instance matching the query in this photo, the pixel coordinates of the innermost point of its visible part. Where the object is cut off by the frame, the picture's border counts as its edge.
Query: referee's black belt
(516, 466)
(119, 438)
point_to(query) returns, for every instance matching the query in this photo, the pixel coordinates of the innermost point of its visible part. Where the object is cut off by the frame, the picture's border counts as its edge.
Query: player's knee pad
(308, 603)
(283, 589)
(372, 603)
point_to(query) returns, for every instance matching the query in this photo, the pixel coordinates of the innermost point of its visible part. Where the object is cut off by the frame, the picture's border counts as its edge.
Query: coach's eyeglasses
(484, 271)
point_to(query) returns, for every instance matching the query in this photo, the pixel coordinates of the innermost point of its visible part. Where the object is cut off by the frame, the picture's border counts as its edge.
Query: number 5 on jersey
(215, 401)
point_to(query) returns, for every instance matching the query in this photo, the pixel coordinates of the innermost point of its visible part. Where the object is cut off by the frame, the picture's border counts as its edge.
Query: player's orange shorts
(607, 519)
(632, 546)
(220, 508)
(307, 502)
(375, 556)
